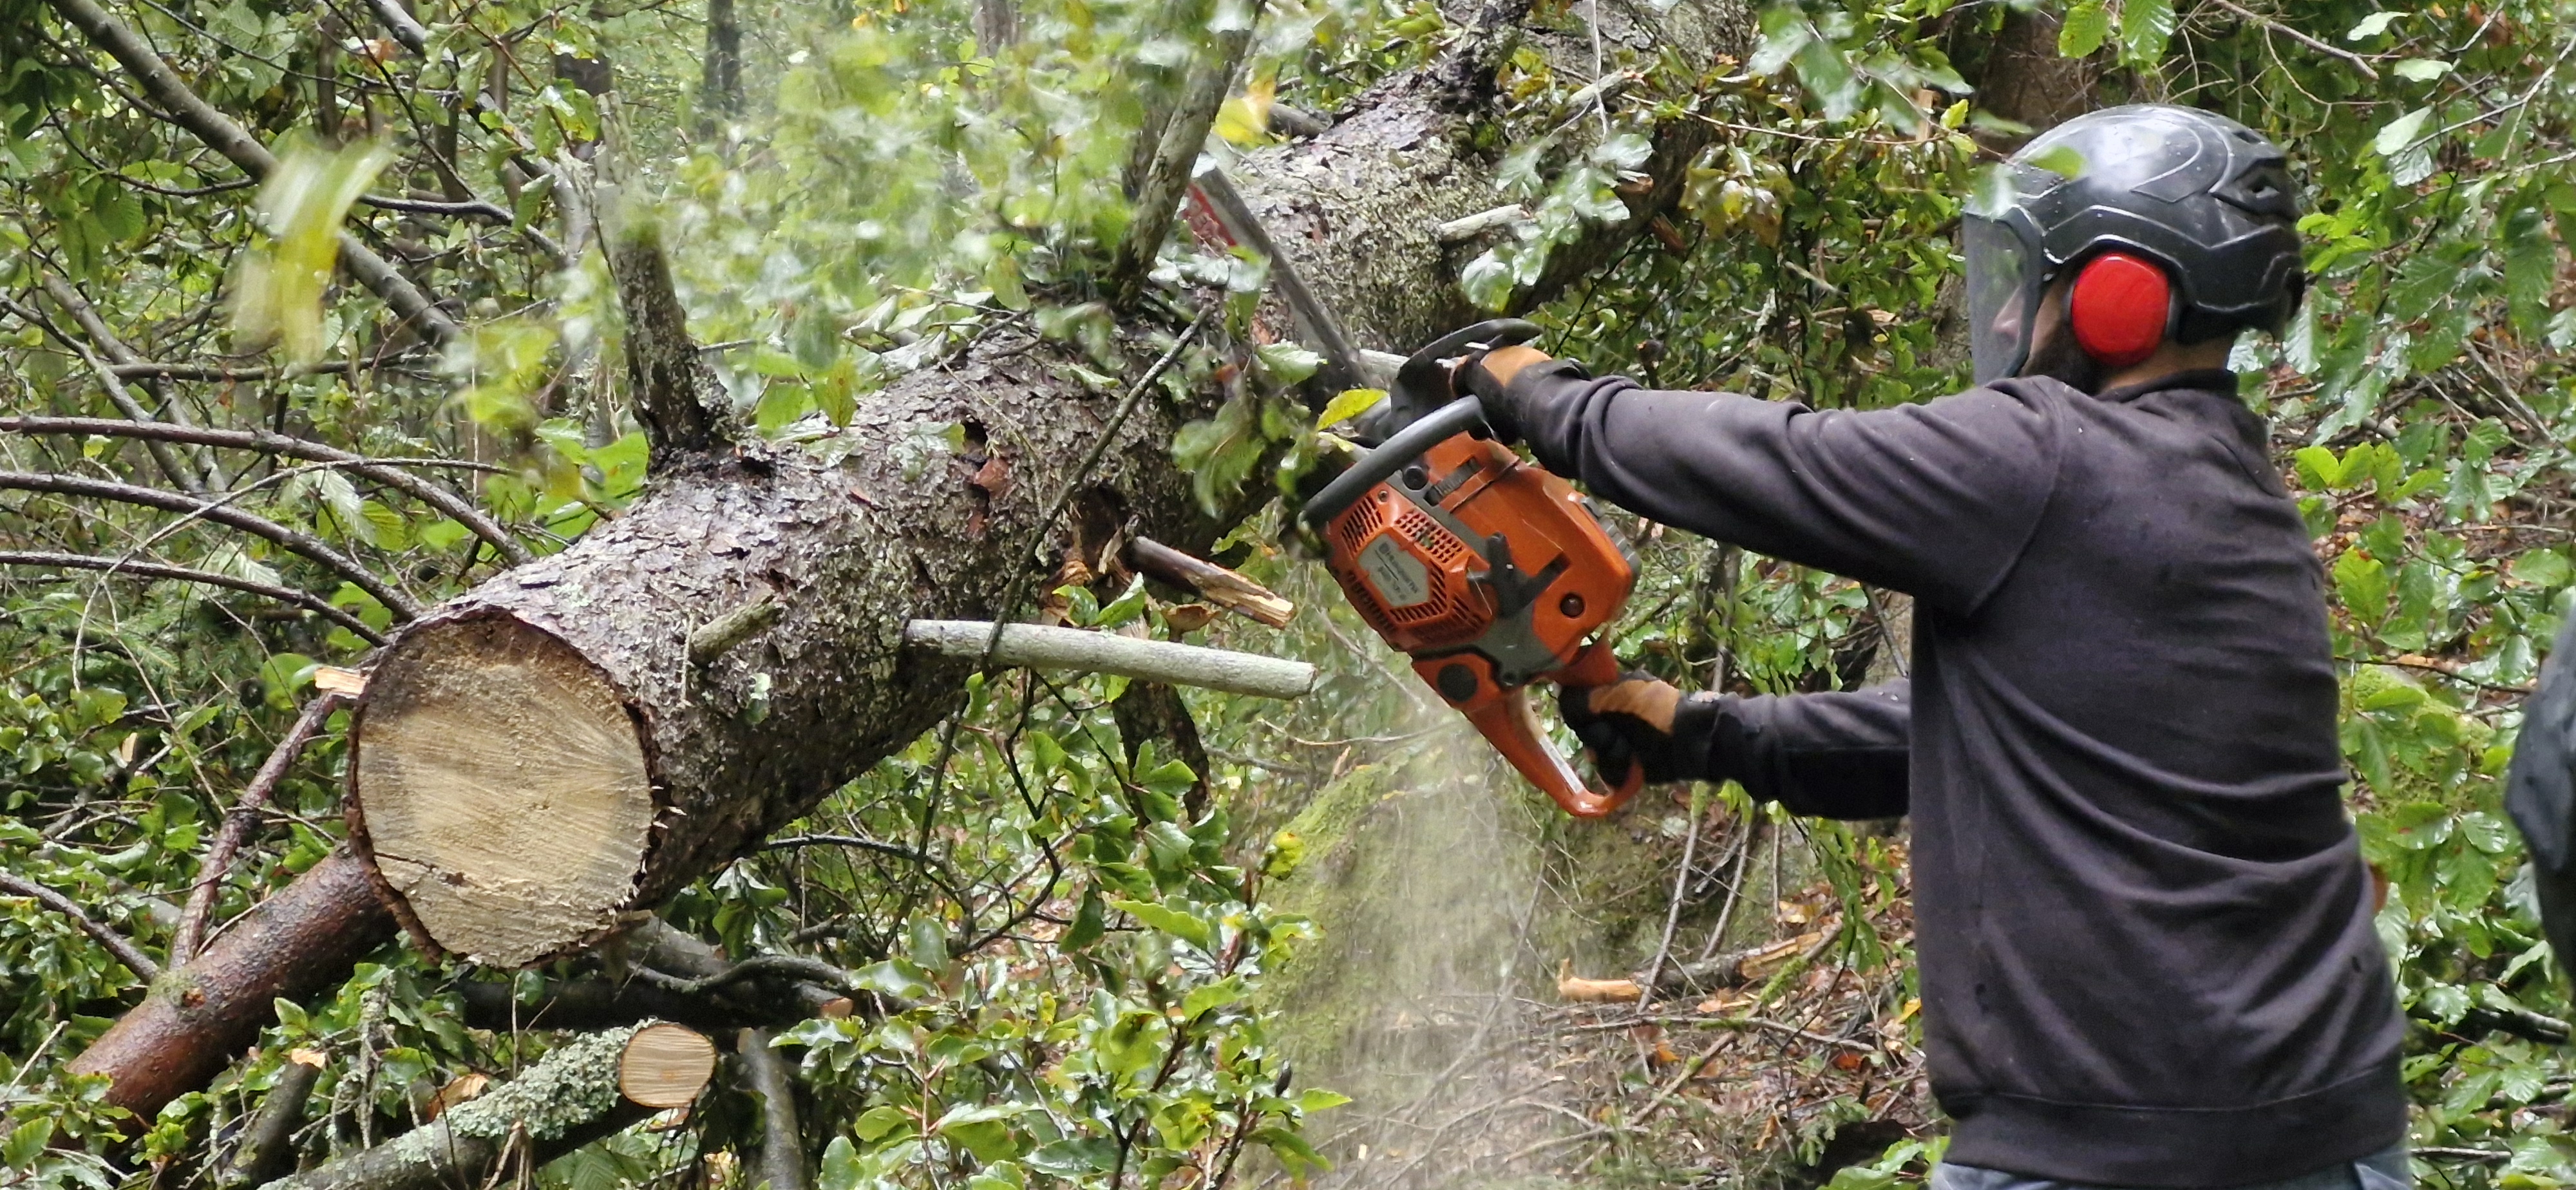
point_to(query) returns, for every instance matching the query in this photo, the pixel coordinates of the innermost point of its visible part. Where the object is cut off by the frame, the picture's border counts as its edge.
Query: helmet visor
(2003, 288)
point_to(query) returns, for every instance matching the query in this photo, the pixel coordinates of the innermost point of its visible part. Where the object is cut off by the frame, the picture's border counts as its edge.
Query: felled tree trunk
(587, 1088)
(550, 750)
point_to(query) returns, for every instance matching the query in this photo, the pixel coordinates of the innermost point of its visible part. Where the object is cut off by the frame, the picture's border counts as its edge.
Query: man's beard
(2065, 359)
(2062, 358)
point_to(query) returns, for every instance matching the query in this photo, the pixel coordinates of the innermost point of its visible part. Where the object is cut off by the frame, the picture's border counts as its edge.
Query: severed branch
(117, 944)
(765, 966)
(267, 1147)
(303, 599)
(782, 1144)
(583, 1090)
(190, 111)
(449, 503)
(238, 824)
(222, 514)
(1038, 647)
(1219, 585)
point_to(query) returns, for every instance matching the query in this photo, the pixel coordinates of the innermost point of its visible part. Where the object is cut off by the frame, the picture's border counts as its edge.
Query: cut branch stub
(665, 1065)
(508, 799)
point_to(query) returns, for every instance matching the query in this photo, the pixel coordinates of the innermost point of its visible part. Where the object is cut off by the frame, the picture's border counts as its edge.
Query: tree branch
(267, 1147)
(190, 111)
(303, 599)
(171, 465)
(447, 502)
(96, 328)
(125, 951)
(237, 824)
(782, 1144)
(669, 377)
(221, 514)
(1159, 197)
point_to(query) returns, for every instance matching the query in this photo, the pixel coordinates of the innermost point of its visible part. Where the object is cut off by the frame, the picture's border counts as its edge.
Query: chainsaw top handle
(1421, 382)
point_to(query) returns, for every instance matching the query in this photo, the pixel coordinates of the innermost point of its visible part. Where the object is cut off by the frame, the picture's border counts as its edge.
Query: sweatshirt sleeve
(1935, 500)
(1834, 755)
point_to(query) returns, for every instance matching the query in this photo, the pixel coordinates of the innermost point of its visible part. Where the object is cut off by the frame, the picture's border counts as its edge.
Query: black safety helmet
(2200, 194)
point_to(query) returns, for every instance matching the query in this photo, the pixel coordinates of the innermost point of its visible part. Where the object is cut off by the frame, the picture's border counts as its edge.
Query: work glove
(1489, 376)
(1640, 720)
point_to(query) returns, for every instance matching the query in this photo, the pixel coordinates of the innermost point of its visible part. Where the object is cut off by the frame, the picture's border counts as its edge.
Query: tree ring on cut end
(503, 788)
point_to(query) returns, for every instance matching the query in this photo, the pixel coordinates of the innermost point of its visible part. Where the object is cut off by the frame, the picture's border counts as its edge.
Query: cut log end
(502, 788)
(665, 1065)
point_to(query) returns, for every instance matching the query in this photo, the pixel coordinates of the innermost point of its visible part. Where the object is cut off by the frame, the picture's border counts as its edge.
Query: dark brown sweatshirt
(2143, 923)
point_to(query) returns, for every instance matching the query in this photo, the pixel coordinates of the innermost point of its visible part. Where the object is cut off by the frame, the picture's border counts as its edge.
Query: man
(2143, 921)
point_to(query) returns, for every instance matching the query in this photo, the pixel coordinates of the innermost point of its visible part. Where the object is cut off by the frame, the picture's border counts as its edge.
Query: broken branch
(578, 1093)
(1219, 585)
(238, 824)
(1037, 647)
(267, 1147)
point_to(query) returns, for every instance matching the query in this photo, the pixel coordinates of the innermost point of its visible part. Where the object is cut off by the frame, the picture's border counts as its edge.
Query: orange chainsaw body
(1492, 574)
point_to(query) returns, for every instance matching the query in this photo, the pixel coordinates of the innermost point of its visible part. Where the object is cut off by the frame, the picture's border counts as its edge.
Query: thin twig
(117, 944)
(864, 844)
(238, 824)
(301, 543)
(2302, 38)
(792, 966)
(1673, 912)
(303, 599)
(454, 506)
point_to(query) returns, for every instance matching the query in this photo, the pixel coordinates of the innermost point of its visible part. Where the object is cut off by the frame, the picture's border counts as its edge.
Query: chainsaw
(1488, 571)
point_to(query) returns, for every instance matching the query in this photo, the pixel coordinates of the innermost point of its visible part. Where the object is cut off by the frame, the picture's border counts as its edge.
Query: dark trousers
(2383, 1170)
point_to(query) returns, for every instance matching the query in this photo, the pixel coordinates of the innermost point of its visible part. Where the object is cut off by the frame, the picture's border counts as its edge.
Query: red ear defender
(2119, 308)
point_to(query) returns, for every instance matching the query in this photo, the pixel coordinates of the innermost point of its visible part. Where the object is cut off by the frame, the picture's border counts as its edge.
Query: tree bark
(568, 1099)
(198, 1017)
(782, 1144)
(267, 1147)
(720, 84)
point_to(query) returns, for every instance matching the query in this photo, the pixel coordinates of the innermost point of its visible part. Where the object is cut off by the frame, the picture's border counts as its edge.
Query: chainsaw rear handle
(1378, 465)
(1422, 375)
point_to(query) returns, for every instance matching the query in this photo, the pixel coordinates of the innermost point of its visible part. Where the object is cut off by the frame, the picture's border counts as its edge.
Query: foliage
(1068, 955)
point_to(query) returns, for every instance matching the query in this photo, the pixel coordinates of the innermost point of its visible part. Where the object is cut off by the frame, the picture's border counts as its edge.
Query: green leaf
(1349, 403)
(2088, 24)
(2372, 26)
(26, 1143)
(1289, 362)
(983, 1130)
(1074, 1158)
(2063, 160)
(279, 292)
(878, 1123)
(2399, 133)
(1628, 150)
(2361, 584)
(2541, 568)
(1088, 923)
(1784, 32)
(840, 1169)
(1179, 924)
(1213, 995)
(1315, 1099)
(2146, 26)
(2422, 70)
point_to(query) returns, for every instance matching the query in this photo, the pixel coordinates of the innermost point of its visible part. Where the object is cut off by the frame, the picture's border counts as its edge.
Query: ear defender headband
(2120, 308)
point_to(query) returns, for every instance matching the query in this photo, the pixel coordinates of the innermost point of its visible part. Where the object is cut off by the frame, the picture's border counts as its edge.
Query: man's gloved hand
(1489, 377)
(1639, 719)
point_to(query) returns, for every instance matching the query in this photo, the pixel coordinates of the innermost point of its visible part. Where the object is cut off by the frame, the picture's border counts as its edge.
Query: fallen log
(581, 1091)
(198, 1017)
